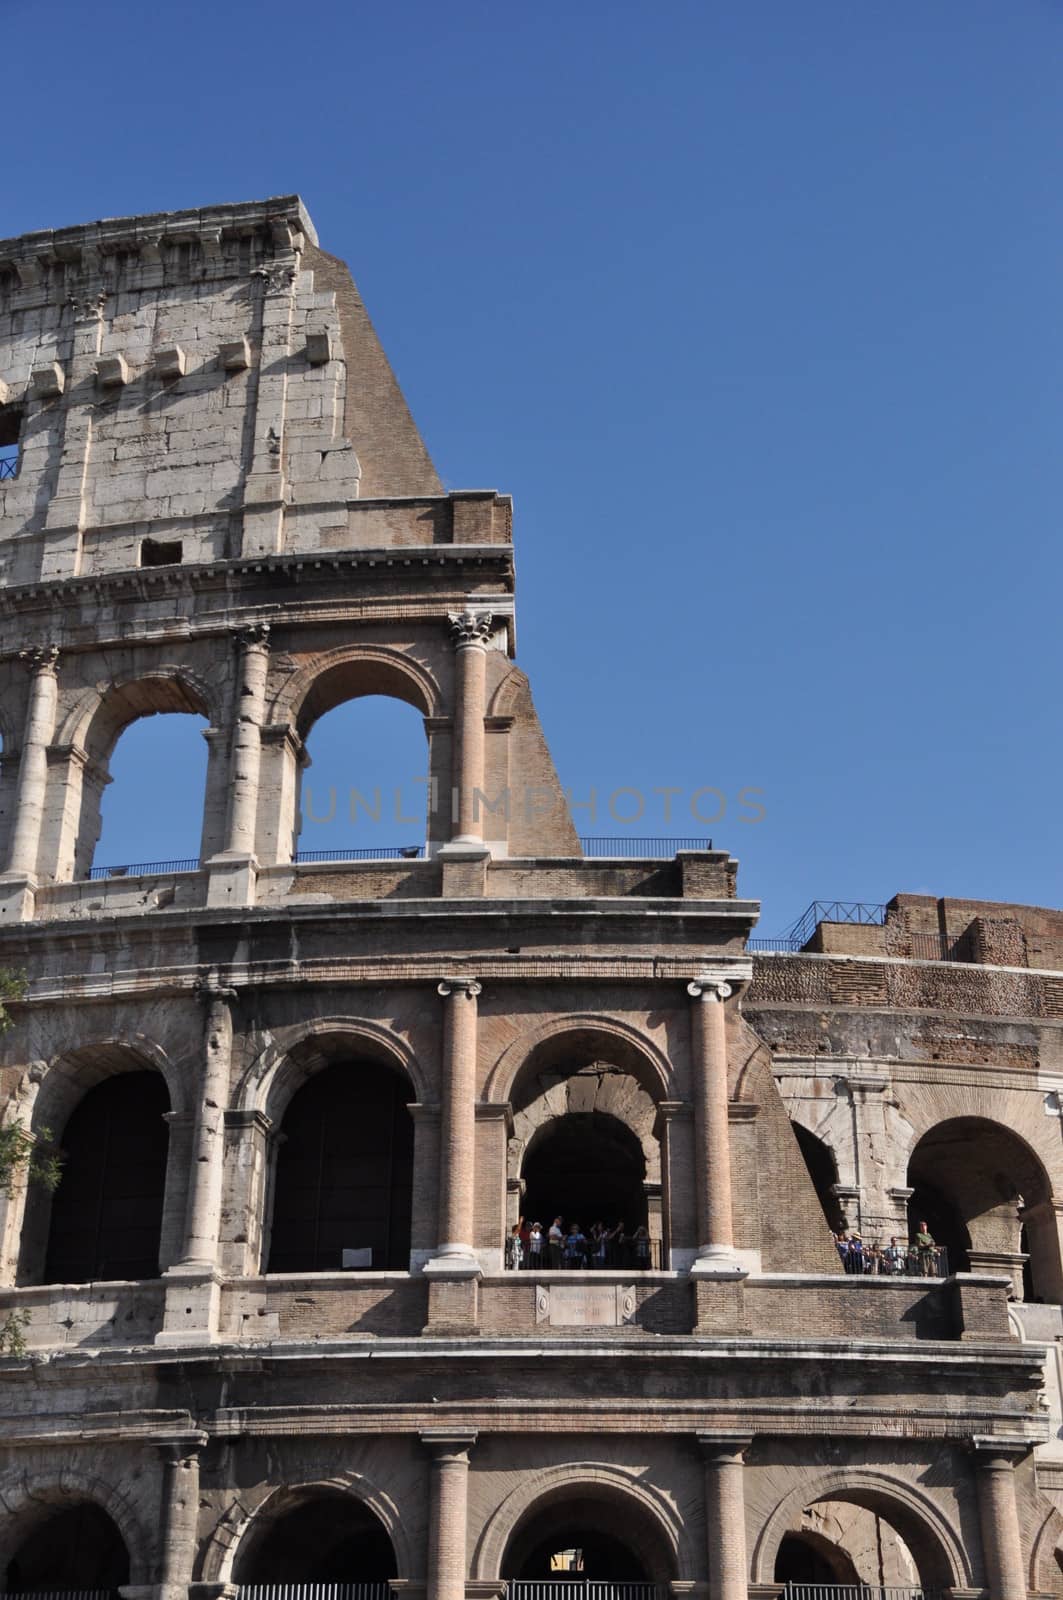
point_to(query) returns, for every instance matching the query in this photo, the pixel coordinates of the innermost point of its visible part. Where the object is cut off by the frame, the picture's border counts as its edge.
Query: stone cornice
(451, 563)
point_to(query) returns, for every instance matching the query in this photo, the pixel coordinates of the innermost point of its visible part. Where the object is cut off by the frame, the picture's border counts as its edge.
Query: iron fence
(625, 848)
(855, 1591)
(377, 852)
(862, 912)
(620, 1255)
(314, 1591)
(8, 466)
(573, 1587)
(145, 869)
(910, 1261)
(67, 1594)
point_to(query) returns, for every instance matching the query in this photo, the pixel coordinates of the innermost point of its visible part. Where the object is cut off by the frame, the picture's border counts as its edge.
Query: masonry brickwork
(223, 506)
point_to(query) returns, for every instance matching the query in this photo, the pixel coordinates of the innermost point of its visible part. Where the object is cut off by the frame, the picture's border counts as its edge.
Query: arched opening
(369, 788)
(861, 1535)
(71, 1547)
(593, 1535)
(343, 1186)
(586, 1167)
(809, 1558)
(976, 1184)
(106, 1214)
(315, 1536)
(823, 1170)
(152, 809)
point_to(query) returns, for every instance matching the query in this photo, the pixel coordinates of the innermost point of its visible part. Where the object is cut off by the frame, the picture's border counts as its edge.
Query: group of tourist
(920, 1258)
(565, 1245)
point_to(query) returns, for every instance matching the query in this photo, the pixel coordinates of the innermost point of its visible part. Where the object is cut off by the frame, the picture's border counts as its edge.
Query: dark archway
(76, 1547)
(980, 1183)
(316, 1536)
(106, 1216)
(586, 1167)
(809, 1558)
(823, 1170)
(344, 1178)
(605, 1537)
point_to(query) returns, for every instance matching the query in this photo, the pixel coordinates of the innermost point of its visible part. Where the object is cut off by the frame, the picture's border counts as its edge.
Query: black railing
(621, 1255)
(8, 466)
(909, 1261)
(572, 1586)
(315, 1591)
(641, 848)
(857, 912)
(376, 852)
(145, 869)
(855, 1591)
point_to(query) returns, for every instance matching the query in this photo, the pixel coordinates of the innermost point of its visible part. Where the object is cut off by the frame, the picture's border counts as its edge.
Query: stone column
(448, 1513)
(454, 1255)
(37, 735)
(725, 1514)
(999, 1514)
(13, 1205)
(192, 1306)
(472, 631)
(233, 872)
(716, 1256)
(179, 1518)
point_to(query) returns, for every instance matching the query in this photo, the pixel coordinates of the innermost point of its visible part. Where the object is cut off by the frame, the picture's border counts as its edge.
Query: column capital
(449, 1443)
(255, 635)
(706, 988)
(720, 982)
(999, 1452)
(41, 658)
(209, 989)
(724, 1445)
(469, 987)
(471, 627)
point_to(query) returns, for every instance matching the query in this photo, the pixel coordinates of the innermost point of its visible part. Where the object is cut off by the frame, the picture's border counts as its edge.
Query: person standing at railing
(554, 1243)
(894, 1256)
(640, 1246)
(575, 1248)
(926, 1249)
(536, 1246)
(514, 1249)
(855, 1262)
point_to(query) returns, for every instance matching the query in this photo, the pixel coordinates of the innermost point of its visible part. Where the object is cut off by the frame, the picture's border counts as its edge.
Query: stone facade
(269, 1336)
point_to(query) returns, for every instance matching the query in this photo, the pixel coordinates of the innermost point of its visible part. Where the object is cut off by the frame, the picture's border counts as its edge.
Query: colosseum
(270, 1338)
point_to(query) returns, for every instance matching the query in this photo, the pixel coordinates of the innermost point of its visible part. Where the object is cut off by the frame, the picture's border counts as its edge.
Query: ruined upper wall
(197, 386)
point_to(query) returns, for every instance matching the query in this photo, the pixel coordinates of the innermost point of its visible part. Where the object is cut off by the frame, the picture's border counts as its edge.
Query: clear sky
(753, 306)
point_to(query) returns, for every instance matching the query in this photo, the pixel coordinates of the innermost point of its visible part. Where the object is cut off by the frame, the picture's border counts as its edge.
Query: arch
(347, 672)
(222, 1552)
(73, 1072)
(294, 1054)
(588, 1167)
(641, 1508)
(509, 694)
(986, 1182)
(938, 1552)
(805, 1556)
(1046, 1554)
(100, 713)
(822, 1167)
(105, 1220)
(29, 1499)
(343, 1176)
(590, 1036)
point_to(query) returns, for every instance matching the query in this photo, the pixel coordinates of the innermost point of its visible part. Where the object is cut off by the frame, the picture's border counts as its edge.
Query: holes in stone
(160, 552)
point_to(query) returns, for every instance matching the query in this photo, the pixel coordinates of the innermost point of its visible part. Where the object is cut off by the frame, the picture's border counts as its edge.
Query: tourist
(536, 1246)
(640, 1248)
(575, 1247)
(514, 1249)
(926, 1250)
(554, 1241)
(895, 1256)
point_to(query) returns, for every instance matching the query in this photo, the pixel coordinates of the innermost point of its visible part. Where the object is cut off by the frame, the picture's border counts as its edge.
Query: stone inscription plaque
(565, 1305)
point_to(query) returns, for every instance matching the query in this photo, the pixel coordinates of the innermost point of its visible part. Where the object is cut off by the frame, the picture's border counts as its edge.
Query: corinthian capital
(470, 627)
(41, 658)
(256, 633)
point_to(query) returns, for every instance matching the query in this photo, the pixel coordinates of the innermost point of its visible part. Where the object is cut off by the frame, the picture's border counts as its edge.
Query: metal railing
(145, 869)
(376, 852)
(314, 1591)
(622, 1255)
(573, 1587)
(649, 848)
(862, 912)
(65, 1594)
(855, 1591)
(912, 1263)
(8, 466)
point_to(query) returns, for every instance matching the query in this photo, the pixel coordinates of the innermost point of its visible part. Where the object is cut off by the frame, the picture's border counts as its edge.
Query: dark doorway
(596, 1556)
(344, 1172)
(583, 1537)
(324, 1537)
(107, 1211)
(586, 1167)
(823, 1170)
(944, 1222)
(802, 1559)
(77, 1547)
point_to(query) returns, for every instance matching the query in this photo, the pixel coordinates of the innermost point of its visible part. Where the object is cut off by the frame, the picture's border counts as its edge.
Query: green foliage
(21, 1151)
(12, 1328)
(12, 987)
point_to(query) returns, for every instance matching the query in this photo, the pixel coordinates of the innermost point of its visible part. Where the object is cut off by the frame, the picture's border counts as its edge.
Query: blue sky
(754, 309)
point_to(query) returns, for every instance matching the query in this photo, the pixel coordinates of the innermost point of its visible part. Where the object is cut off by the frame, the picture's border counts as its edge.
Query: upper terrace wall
(207, 379)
